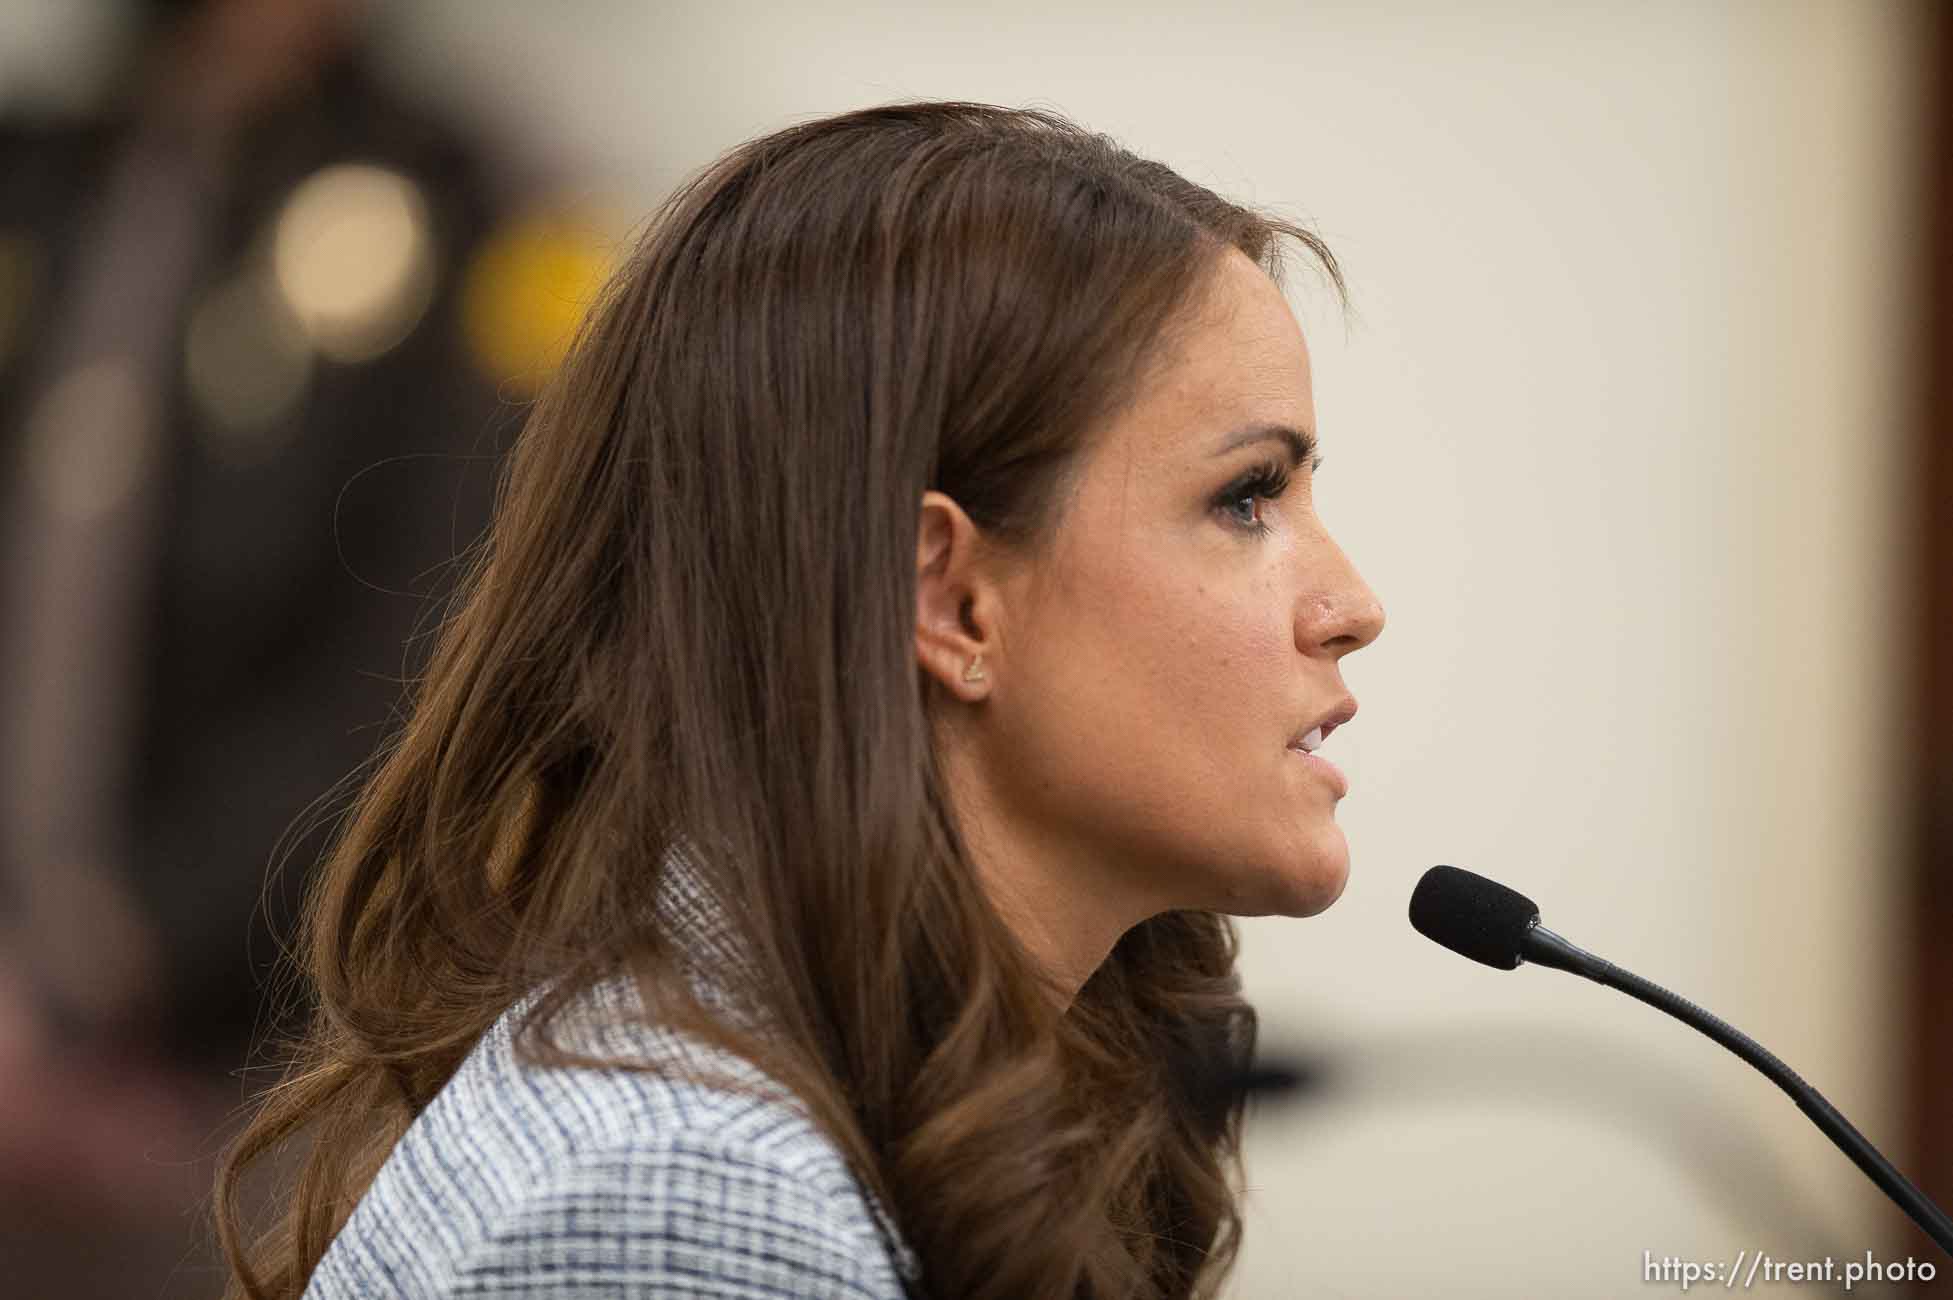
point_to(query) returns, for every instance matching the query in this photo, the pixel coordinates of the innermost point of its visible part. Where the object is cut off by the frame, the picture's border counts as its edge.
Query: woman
(805, 870)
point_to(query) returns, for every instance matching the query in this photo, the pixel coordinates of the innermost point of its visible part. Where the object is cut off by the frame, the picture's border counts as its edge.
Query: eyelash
(1268, 479)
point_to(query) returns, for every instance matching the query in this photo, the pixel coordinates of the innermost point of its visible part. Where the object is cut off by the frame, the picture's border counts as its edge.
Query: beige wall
(1613, 435)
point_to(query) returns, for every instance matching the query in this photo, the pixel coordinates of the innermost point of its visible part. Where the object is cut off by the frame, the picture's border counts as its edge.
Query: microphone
(1489, 923)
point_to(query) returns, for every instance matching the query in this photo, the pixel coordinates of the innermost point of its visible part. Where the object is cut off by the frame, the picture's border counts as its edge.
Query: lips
(1328, 722)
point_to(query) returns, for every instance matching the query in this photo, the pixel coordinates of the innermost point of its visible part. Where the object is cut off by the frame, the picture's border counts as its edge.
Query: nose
(1345, 615)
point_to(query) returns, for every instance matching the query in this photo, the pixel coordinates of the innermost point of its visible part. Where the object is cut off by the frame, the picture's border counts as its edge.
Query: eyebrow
(1301, 443)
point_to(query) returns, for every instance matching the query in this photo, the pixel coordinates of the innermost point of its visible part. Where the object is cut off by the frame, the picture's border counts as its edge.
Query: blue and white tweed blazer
(522, 1181)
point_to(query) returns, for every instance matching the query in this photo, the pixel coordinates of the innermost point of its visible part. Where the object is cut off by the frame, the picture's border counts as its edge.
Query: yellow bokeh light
(525, 292)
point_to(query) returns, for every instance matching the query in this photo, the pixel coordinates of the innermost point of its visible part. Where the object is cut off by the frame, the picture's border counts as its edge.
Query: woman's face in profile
(1181, 632)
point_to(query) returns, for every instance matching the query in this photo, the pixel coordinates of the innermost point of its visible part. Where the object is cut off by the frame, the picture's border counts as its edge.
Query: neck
(1063, 907)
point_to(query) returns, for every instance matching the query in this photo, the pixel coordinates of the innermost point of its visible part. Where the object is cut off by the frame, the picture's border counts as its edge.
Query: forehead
(1237, 357)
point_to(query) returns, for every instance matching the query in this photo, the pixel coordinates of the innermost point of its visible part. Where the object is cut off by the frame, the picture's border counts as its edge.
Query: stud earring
(974, 673)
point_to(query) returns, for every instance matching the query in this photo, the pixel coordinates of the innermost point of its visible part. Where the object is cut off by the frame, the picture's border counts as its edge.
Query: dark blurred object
(1928, 688)
(1290, 1079)
(241, 442)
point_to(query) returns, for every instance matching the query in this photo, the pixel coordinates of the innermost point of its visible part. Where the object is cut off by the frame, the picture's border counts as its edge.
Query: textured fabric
(523, 1181)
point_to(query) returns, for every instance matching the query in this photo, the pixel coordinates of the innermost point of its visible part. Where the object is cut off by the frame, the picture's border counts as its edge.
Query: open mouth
(1323, 766)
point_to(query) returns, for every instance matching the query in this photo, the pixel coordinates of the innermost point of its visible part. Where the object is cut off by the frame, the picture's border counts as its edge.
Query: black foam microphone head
(1474, 917)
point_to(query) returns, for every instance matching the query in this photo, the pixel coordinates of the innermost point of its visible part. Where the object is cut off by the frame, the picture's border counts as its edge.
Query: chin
(1290, 889)
(1314, 884)
(1329, 888)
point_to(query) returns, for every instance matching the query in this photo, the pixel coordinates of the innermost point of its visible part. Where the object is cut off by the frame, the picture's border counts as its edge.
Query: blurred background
(1638, 428)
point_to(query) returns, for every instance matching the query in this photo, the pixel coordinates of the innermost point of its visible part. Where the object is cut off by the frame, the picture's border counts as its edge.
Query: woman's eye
(1265, 483)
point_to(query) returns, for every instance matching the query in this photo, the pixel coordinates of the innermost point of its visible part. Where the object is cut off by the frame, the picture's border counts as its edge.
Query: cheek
(1158, 715)
(1177, 766)
(1223, 663)
(1182, 664)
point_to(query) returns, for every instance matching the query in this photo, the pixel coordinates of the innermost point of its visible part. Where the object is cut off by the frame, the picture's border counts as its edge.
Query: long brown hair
(693, 621)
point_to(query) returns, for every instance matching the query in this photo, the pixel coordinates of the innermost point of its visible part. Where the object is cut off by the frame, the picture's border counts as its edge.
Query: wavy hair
(692, 620)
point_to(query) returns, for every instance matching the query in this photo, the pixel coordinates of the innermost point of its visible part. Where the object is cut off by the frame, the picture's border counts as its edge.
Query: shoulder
(519, 1179)
(690, 1212)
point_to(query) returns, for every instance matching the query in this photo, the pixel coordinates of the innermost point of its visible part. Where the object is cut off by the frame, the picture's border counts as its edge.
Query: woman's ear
(956, 632)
